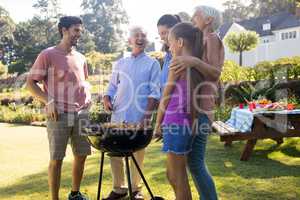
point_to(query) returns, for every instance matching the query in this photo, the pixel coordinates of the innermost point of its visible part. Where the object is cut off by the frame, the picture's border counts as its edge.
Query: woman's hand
(181, 63)
(157, 133)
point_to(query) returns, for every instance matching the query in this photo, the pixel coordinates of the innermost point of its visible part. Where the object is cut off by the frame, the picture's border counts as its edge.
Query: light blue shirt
(133, 81)
(165, 70)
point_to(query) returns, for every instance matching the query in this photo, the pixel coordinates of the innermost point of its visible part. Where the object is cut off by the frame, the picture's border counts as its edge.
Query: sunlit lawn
(272, 173)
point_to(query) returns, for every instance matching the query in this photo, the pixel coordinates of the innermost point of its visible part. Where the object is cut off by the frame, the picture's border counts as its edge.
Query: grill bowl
(118, 140)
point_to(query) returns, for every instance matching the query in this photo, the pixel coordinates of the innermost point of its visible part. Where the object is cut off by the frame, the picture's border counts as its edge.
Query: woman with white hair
(208, 20)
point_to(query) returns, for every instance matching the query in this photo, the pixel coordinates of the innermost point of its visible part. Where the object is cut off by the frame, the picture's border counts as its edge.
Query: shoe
(137, 195)
(78, 196)
(115, 196)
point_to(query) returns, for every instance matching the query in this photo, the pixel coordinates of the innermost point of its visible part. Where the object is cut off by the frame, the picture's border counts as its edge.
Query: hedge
(3, 69)
(284, 68)
(98, 61)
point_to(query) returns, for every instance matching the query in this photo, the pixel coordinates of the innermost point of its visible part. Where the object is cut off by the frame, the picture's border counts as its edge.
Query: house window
(266, 41)
(289, 35)
(266, 27)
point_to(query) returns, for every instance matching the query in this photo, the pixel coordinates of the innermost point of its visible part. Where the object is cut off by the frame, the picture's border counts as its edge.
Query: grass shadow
(37, 183)
(261, 177)
(224, 162)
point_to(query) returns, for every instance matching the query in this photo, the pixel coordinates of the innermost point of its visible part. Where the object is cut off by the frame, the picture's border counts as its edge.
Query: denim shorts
(177, 139)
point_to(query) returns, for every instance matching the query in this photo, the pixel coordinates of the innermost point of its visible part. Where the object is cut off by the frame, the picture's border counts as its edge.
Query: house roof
(224, 29)
(278, 21)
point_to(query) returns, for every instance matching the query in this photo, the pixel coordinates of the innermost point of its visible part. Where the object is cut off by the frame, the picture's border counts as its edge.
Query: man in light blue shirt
(134, 80)
(132, 95)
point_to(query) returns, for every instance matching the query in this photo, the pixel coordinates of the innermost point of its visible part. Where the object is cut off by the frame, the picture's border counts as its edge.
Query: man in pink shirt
(63, 72)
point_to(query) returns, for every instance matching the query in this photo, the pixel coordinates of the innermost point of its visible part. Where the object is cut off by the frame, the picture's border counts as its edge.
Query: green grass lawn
(272, 173)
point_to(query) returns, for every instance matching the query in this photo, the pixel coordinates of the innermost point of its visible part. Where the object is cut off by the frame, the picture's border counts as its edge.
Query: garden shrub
(158, 55)
(97, 114)
(283, 68)
(232, 72)
(98, 62)
(20, 114)
(3, 69)
(222, 112)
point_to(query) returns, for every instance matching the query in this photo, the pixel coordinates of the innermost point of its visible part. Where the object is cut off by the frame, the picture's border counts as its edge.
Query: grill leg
(128, 177)
(142, 176)
(100, 176)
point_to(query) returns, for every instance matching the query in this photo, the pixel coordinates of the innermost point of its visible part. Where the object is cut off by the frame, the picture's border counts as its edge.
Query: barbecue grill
(121, 142)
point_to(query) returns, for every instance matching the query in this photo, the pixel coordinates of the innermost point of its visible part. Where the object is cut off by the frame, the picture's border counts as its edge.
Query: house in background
(279, 37)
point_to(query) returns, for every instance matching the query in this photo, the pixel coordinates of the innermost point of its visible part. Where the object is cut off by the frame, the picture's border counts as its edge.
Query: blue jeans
(196, 161)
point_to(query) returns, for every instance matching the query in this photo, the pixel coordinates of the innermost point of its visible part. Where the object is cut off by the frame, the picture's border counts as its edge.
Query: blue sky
(140, 12)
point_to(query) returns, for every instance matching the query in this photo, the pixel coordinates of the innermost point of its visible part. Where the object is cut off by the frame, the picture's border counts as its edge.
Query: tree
(46, 20)
(49, 9)
(269, 7)
(184, 16)
(240, 42)
(7, 27)
(103, 19)
(50, 13)
(86, 43)
(236, 10)
(34, 35)
(31, 38)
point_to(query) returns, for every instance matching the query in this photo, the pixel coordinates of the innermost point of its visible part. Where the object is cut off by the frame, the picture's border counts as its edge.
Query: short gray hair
(135, 29)
(211, 12)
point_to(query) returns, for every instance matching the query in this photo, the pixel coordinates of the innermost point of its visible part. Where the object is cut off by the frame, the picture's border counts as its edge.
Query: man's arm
(38, 73)
(36, 91)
